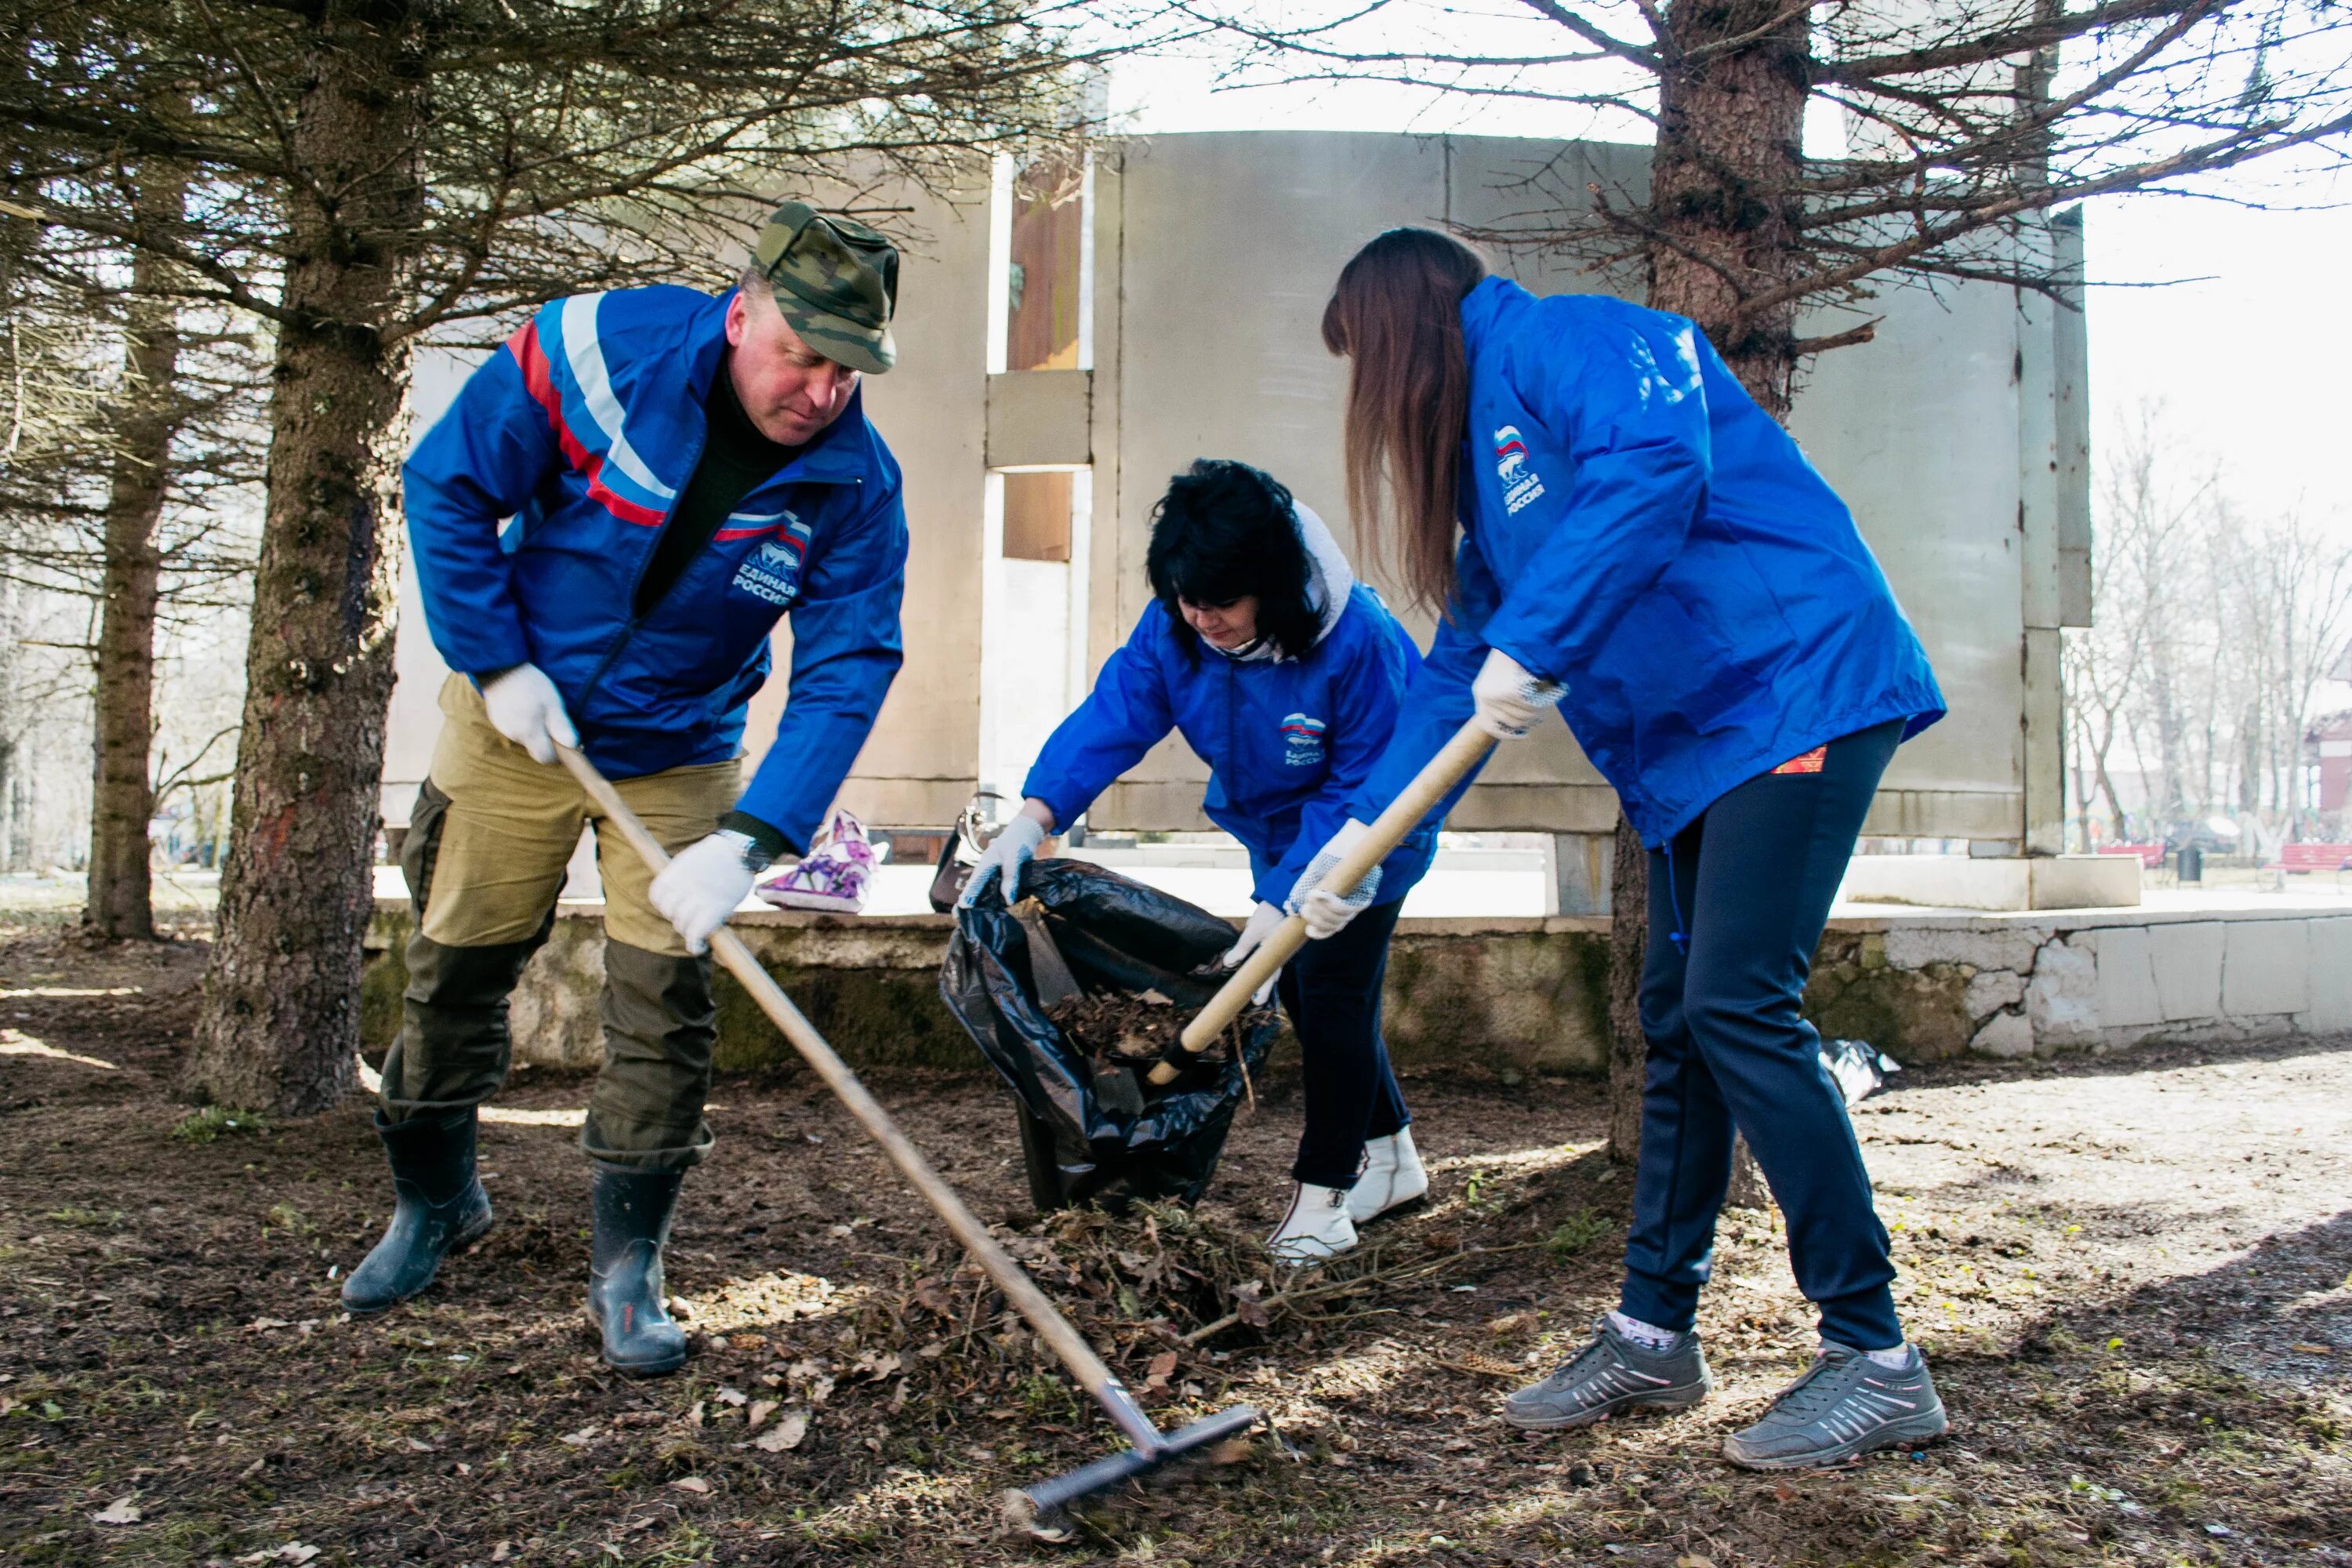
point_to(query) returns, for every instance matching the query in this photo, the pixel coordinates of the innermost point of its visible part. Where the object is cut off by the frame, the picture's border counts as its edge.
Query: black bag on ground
(1084, 1141)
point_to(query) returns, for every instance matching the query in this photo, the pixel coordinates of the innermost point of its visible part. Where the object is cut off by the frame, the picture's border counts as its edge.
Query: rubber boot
(438, 1207)
(624, 1270)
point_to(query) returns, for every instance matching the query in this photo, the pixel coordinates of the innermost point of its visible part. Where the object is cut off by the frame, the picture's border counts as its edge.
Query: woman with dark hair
(1642, 546)
(1286, 676)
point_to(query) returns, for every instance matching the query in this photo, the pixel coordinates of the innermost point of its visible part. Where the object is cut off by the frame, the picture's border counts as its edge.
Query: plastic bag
(1119, 935)
(1857, 1069)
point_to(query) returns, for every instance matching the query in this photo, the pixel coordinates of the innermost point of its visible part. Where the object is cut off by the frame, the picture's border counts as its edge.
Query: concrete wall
(1932, 432)
(1518, 996)
(932, 408)
(417, 671)
(1239, 370)
(1214, 255)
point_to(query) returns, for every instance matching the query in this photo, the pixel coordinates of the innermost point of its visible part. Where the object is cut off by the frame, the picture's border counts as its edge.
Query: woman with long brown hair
(1611, 525)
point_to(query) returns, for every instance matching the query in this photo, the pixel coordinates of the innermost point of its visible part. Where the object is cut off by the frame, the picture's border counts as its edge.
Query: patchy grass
(2132, 1279)
(217, 1121)
(1579, 1231)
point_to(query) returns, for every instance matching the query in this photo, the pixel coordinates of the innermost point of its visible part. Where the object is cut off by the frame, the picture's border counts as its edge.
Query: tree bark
(279, 1026)
(1629, 936)
(1729, 150)
(122, 802)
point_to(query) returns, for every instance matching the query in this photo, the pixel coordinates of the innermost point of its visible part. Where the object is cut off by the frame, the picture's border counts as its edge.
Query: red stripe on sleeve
(541, 384)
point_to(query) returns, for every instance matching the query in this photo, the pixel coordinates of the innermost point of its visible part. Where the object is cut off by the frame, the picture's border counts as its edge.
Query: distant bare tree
(2213, 637)
(2149, 569)
(2103, 666)
(2287, 600)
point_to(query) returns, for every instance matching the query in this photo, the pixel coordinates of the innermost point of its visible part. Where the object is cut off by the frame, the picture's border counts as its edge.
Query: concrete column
(1581, 864)
(2045, 744)
(2042, 527)
(2070, 326)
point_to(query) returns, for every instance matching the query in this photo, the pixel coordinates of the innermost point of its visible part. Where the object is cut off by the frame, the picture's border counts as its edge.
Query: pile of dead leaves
(1158, 1278)
(1117, 1029)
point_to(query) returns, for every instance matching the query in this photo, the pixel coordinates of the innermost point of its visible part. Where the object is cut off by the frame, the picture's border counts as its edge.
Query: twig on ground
(1294, 1300)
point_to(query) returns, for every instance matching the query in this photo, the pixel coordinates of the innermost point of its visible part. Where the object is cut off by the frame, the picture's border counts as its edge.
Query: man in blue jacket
(608, 523)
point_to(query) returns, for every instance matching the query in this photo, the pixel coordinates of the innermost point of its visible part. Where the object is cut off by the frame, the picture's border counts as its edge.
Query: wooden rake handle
(1439, 774)
(1060, 1337)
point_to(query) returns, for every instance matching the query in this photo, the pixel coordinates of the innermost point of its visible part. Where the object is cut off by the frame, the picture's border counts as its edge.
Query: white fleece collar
(1329, 579)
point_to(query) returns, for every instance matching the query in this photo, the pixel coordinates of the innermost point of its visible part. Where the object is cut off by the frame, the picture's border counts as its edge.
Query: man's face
(789, 389)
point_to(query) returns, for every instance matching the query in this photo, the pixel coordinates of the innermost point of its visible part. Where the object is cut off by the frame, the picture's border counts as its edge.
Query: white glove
(1008, 852)
(1327, 912)
(1263, 922)
(526, 709)
(696, 891)
(1508, 698)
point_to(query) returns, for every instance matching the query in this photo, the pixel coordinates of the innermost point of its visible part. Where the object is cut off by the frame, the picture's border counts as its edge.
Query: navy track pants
(1332, 992)
(1738, 903)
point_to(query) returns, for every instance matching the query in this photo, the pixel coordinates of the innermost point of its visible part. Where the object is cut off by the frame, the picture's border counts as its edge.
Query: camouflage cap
(836, 282)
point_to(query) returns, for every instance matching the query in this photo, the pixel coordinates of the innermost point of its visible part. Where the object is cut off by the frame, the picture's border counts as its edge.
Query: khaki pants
(485, 858)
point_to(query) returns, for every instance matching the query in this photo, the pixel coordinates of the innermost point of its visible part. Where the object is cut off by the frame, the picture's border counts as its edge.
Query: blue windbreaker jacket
(533, 506)
(1638, 528)
(1288, 742)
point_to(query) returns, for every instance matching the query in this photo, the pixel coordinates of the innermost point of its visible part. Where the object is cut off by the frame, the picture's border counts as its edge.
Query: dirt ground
(2133, 1278)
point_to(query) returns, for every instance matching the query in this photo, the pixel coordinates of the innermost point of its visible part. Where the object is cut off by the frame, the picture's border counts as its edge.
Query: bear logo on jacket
(1302, 740)
(772, 572)
(1521, 484)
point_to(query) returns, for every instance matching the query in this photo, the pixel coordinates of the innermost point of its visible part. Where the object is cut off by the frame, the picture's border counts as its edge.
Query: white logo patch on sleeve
(1521, 484)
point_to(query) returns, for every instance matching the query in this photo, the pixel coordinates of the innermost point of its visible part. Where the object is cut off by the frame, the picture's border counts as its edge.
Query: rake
(1453, 761)
(1039, 1508)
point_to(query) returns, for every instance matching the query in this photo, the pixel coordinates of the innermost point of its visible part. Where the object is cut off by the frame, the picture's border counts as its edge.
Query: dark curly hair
(1226, 529)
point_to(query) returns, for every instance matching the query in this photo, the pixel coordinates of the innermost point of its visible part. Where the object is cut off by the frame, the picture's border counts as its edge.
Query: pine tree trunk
(11, 723)
(1730, 148)
(1629, 934)
(280, 1027)
(123, 800)
(1730, 145)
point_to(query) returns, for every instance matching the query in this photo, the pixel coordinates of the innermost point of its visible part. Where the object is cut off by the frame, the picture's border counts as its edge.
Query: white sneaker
(1392, 1178)
(1316, 1227)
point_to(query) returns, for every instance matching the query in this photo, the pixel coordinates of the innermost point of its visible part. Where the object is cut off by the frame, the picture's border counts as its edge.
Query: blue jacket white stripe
(1288, 742)
(1636, 527)
(534, 504)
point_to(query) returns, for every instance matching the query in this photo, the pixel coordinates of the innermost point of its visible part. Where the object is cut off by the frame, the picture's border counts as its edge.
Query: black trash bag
(1116, 934)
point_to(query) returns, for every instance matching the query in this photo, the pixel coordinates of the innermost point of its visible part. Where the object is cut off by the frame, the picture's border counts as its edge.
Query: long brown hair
(1396, 313)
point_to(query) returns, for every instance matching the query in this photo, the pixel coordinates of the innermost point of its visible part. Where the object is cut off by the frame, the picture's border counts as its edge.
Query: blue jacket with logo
(1637, 528)
(533, 506)
(1288, 740)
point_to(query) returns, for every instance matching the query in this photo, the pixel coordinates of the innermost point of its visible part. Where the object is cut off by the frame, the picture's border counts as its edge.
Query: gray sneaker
(1611, 1374)
(1845, 1406)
